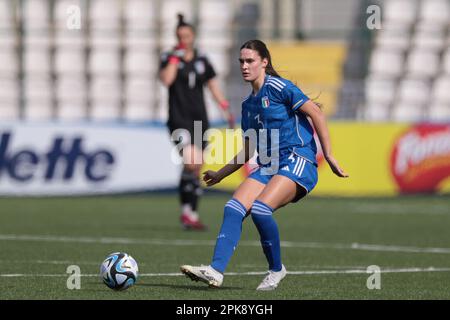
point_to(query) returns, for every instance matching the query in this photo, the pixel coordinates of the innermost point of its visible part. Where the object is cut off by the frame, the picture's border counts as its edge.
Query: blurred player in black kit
(185, 71)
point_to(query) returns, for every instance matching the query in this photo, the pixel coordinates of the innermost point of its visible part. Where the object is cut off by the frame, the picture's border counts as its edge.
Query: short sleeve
(293, 97)
(209, 70)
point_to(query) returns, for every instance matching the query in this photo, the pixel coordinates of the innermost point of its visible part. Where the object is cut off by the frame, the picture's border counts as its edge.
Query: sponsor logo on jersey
(265, 102)
(420, 158)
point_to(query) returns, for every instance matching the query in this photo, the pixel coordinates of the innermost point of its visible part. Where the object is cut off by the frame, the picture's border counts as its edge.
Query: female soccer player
(185, 71)
(280, 109)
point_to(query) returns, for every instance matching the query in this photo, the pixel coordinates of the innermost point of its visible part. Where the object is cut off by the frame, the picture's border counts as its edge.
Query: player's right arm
(169, 70)
(213, 177)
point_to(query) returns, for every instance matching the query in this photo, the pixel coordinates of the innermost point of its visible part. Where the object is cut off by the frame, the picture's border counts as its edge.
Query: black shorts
(183, 136)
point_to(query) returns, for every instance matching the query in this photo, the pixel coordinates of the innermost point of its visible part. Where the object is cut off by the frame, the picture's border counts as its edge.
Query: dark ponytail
(182, 23)
(263, 52)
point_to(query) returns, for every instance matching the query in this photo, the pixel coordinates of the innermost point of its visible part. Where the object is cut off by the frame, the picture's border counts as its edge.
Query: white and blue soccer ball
(119, 271)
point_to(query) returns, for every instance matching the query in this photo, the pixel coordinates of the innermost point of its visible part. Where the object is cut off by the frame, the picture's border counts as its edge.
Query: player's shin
(268, 231)
(229, 235)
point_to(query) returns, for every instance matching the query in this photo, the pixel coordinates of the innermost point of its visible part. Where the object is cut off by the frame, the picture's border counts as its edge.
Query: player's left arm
(219, 97)
(320, 125)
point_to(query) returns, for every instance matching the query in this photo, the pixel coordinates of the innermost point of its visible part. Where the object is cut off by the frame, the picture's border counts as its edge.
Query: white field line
(306, 272)
(183, 242)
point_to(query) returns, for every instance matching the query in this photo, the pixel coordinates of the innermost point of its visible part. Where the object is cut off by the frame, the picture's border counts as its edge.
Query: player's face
(186, 36)
(252, 65)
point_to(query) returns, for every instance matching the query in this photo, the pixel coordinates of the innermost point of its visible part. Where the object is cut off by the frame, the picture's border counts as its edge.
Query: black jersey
(186, 99)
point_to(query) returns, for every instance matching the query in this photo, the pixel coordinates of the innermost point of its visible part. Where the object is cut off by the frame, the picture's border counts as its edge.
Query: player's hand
(334, 165)
(211, 177)
(179, 51)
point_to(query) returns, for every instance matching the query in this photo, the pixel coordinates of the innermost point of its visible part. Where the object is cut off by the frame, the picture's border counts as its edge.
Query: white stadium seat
(70, 60)
(140, 15)
(435, 11)
(376, 112)
(402, 11)
(414, 91)
(138, 112)
(36, 15)
(441, 90)
(141, 62)
(71, 110)
(439, 112)
(71, 88)
(105, 110)
(37, 60)
(70, 38)
(429, 40)
(104, 61)
(6, 15)
(392, 39)
(380, 91)
(9, 65)
(105, 14)
(422, 63)
(38, 88)
(387, 63)
(142, 90)
(10, 90)
(406, 112)
(38, 110)
(215, 11)
(105, 88)
(9, 110)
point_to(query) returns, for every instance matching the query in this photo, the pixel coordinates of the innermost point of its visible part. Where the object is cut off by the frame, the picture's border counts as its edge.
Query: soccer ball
(119, 271)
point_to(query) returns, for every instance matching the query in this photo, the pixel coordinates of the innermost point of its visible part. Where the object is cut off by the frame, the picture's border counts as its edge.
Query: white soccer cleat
(205, 274)
(272, 280)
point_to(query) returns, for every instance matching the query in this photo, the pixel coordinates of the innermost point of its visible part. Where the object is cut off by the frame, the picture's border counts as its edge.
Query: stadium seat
(138, 112)
(38, 110)
(141, 62)
(105, 110)
(9, 65)
(393, 39)
(441, 90)
(36, 15)
(215, 11)
(376, 112)
(104, 62)
(9, 111)
(401, 11)
(140, 89)
(439, 112)
(70, 38)
(422, 63)
(70, 60)
(140, 15)
(105, 14)
(71, 110)
(37, 60)
(380, 91)
(105, 88)
(71, 88)
(432, 40)
(407, 112)
(386, 63)
(10, 91)
(435, 11)
(6, 15)
(413, 91)
(38, 87)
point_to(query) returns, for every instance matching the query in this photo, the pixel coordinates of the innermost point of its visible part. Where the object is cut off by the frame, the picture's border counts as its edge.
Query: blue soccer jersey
(274, 113)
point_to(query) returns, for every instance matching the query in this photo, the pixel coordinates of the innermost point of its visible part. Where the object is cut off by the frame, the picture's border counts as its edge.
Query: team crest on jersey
(265, 102)
(199, 67)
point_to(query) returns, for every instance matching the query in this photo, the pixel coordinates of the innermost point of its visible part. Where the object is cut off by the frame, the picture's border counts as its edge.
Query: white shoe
(272, 279)
(205, 274)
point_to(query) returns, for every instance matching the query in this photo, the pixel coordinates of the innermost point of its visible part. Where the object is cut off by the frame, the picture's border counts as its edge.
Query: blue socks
(268, 231)
(229, 235)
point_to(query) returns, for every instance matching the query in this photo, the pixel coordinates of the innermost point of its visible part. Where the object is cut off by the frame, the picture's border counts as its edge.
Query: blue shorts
(298, 169)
